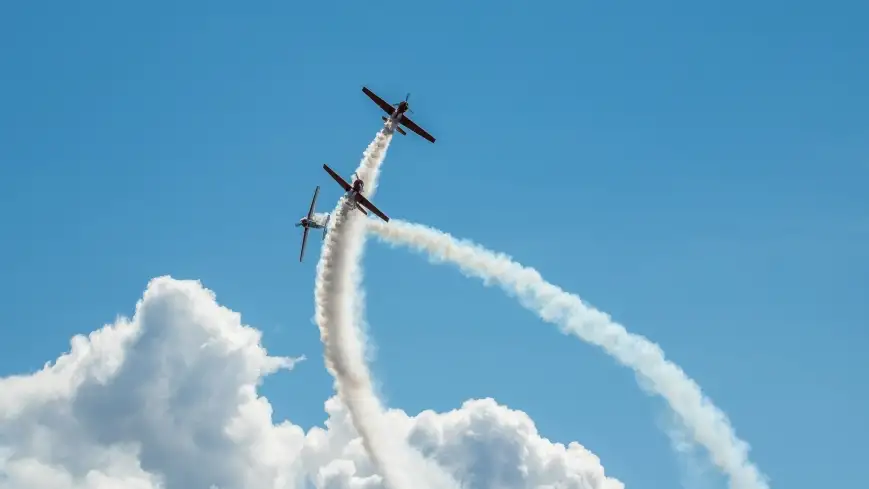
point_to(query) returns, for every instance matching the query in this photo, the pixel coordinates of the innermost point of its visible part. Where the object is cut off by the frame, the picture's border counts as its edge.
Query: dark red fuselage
(401, 109)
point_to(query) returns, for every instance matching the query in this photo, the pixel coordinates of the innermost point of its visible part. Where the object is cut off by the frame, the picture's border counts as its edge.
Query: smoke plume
(337, 293)
(707, 424)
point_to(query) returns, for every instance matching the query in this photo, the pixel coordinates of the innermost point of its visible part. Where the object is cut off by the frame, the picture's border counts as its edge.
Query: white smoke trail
(707, 424)
(337, 291)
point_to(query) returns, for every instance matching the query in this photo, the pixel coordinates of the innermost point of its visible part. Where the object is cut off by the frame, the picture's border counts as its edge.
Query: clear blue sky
(697, 171)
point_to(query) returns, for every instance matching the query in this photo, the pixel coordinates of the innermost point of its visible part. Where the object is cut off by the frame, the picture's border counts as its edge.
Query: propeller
(406, 98)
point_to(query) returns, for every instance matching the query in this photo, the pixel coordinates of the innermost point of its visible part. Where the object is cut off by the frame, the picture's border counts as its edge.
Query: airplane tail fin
(326, 225)
(397, 127)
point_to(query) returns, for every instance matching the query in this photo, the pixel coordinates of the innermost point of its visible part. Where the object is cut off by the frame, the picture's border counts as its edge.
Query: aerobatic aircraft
(398, 113)
(310, 222)
(354, 194)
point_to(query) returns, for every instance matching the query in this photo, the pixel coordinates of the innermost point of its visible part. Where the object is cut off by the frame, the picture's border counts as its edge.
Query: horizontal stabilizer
(397, 128)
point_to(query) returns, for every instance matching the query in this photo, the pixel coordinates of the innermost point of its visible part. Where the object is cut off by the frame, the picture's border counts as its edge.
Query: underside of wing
(304, 241)
(389, 109)
(337, 178)
(413, 127)
(313, 203)
(367, 203)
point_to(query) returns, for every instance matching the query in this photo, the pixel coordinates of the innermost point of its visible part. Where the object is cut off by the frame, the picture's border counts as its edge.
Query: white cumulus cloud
(168, 399)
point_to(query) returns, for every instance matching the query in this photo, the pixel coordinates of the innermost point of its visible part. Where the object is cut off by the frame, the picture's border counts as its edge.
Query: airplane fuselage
(399, 111)
(355, 190)
(309, 223)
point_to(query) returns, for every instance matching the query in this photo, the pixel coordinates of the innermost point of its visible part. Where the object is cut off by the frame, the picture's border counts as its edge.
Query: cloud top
(168, 399)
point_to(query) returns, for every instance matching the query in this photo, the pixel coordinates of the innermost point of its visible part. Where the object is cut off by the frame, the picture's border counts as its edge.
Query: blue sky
(697, 171)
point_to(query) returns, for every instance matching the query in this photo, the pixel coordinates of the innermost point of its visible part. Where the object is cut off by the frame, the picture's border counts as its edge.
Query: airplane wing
(304, 240)
(337, 178)
(367, 203)
(313, 203)
(379, 101)
(406, 122)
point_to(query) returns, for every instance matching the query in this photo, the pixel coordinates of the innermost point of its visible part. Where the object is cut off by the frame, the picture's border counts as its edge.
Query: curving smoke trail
(337, 296)
(707, 424)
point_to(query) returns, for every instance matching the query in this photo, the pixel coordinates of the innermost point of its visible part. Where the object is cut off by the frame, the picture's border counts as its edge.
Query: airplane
(354, 194)
(309, 222)
(397, 113)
